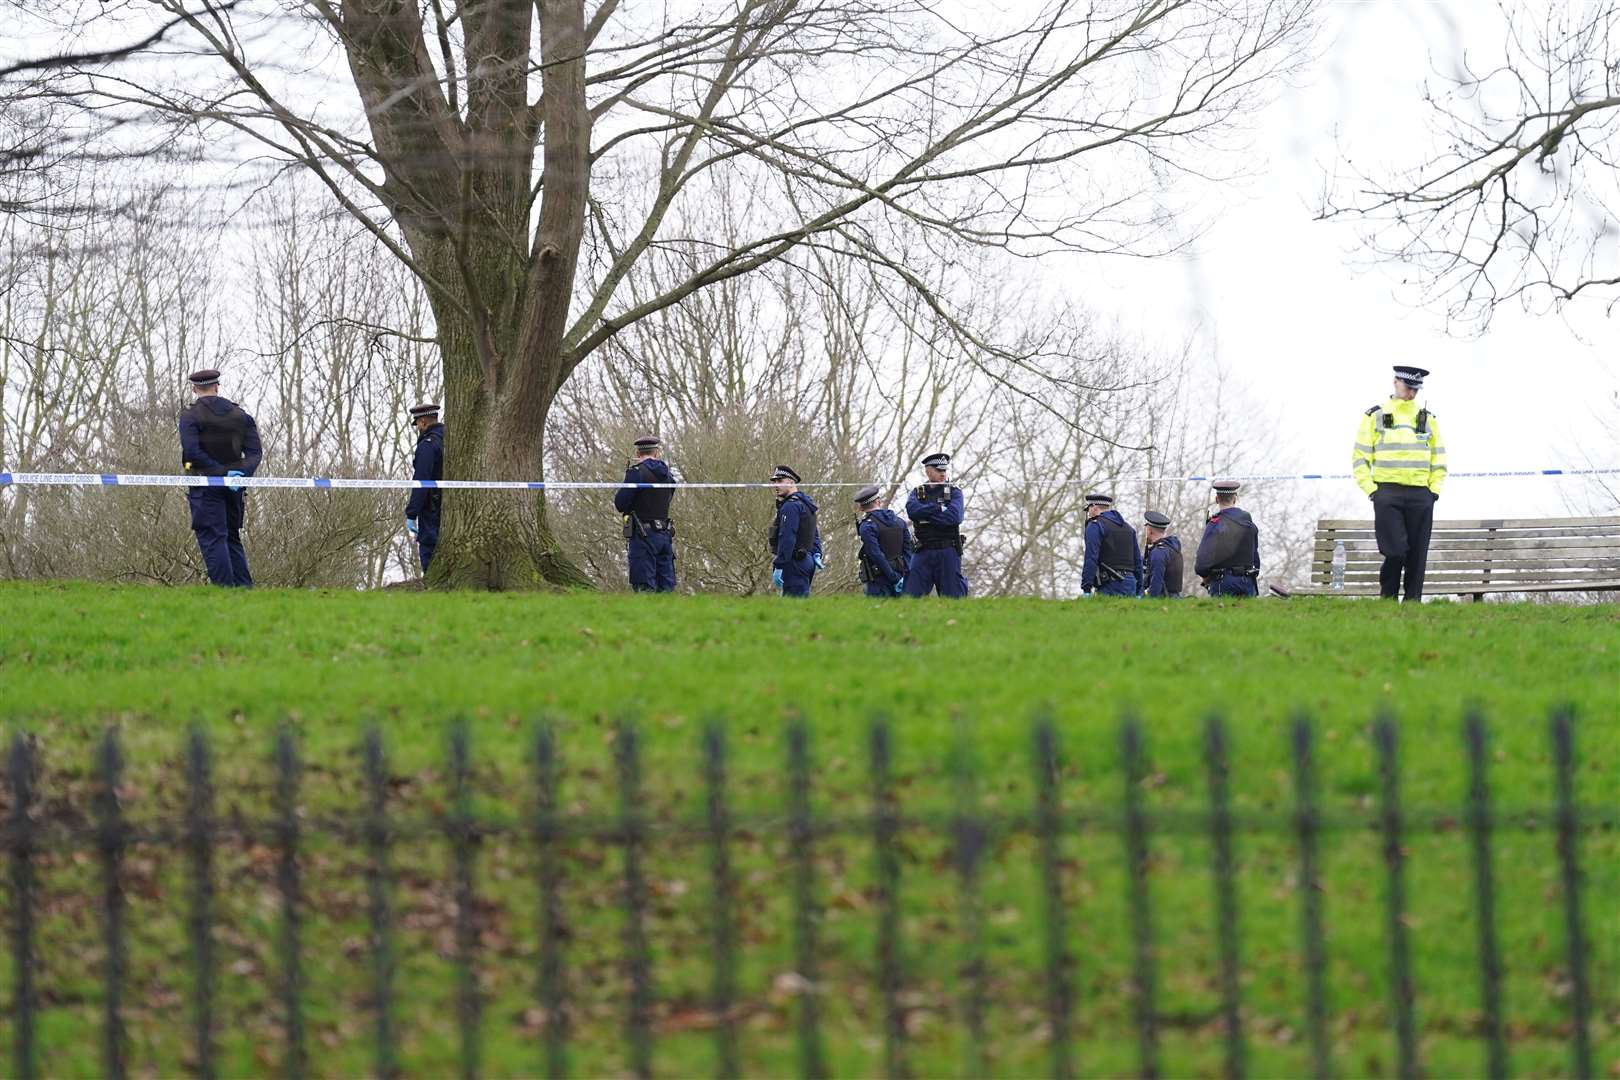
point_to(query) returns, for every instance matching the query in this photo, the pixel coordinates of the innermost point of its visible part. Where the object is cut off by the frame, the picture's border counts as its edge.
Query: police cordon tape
(46, 479)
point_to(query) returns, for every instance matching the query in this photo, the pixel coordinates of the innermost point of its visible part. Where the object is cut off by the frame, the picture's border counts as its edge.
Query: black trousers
(1403, 517)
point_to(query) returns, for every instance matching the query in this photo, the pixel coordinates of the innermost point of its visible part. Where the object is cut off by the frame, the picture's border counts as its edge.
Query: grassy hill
(952, 679)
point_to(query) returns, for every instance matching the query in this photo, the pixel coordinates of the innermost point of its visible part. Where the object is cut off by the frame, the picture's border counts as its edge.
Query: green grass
(75, 659)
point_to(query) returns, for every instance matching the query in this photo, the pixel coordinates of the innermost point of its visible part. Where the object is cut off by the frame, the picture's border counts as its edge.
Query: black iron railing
(40, 828)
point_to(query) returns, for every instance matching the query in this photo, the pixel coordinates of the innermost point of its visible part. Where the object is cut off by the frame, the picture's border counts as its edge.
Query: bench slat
(1583, 544)
(1485, 523)
(1371, 589)
(1606, 566)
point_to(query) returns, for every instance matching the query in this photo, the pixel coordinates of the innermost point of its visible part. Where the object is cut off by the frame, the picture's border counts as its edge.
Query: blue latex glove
(410, 524)
(234, 472)
(821, 564)
(900, 586)
(776, 579)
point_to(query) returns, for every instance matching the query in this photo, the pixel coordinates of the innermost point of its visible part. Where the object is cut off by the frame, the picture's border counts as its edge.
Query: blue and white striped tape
(46, 479)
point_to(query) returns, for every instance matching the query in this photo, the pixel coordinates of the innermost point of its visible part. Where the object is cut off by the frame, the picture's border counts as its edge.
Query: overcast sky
(1294, 306)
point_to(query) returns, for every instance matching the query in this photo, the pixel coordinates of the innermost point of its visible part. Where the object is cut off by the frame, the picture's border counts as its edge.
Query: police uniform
(423, 507)
(795, 542)
(1399, 461)
(219, 439)
(1162, 560)
(1113, 562)
(649, 534)
(936, 512)
(1229, 553)
(886, 547)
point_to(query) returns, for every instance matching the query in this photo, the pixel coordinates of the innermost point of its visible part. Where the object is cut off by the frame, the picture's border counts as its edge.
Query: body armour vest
(1232, 546)
(932, 533)
(652, 504)
(221, 434)
(1172, 566)
(1118, 554)
(806, 540)
(891, 538)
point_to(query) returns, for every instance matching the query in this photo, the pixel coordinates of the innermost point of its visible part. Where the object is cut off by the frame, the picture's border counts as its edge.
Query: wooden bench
(1479, 557)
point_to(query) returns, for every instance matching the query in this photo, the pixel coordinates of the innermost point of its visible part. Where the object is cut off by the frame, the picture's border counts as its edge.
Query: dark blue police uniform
(1113, 562)
(218, 437)
(1164, 567)
(1229, 553)
(936, 511)
(649, 534)
(795, 542)
(426, 504)
(886, 547)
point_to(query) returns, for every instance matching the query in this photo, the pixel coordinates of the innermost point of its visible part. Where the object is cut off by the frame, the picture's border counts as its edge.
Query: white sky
(1294, 308)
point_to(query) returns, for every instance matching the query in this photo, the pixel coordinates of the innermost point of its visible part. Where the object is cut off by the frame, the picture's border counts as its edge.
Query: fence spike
(1563, 746)
(812, 1062)
(463, 837)
(1144, 982)
(1480, 823)
(1391, 829)
(200, 848)
(288, 774)
(548, 836)
(638, 1021)
(1218, 765)
(379, 913)
(1306, 827)
(722, 899)
(885, 826)
(21, 766)
(1048, 815)
(968, 841)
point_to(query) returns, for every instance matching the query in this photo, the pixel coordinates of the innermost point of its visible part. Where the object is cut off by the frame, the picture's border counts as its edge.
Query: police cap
(205, 377)
(937, 461)
(1226, 487)
(427, 408)
(648, 442)
(1097, 498)
(867, 494)
(782, 472)
(1156, 519)
(1411, 376)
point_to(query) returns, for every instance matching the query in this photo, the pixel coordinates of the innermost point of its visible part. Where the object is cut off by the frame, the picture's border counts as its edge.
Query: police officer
(936, 510)
(1229, 554)
(218, 438)
(1162, 557)
(1399, 460)
(422, 508)
(649, 534)
(885, 545)
(795, 541)
(1113, 563)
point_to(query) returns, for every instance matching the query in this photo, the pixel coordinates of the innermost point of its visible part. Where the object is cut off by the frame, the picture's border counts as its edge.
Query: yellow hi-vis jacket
(1390, 449)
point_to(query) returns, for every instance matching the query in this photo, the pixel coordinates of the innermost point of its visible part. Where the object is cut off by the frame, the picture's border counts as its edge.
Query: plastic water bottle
(1338, 564)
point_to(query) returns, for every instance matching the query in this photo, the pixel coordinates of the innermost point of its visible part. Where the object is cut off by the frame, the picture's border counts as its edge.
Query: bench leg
(1479, 598)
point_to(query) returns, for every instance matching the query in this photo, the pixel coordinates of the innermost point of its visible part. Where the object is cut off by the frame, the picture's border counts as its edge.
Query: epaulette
(1374, 409)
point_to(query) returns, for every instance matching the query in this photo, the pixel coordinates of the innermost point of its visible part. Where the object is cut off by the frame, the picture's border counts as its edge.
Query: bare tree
(1521, 201)
(523, 159)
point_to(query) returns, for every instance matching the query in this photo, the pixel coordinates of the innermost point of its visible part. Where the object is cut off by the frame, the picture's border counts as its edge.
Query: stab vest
(1172, 567)
(221, 434)
(1118, 554)
(803, 543)
(891, 538)
(932, 533)
(1232, 547)
(652, 504)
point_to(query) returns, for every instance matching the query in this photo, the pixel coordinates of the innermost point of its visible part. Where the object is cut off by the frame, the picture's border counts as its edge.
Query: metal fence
(39, 827)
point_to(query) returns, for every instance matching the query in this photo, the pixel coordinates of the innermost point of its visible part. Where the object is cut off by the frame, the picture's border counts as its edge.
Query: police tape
(342, 483)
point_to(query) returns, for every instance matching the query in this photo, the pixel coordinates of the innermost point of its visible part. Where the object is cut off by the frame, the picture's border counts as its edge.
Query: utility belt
(868, 570)
(941, 543)
(1107, 575)
(1226, 571)
(634, 526)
